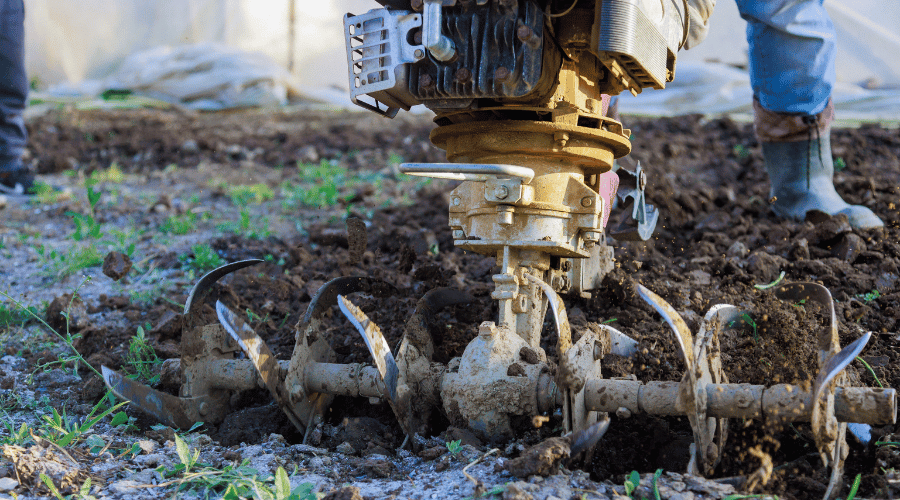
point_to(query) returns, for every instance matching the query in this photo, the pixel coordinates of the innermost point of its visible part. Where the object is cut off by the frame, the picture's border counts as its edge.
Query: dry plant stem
(479, 459)
(46, 325)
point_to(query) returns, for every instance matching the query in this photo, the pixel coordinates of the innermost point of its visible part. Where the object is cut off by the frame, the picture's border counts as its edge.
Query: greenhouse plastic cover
(222, 53)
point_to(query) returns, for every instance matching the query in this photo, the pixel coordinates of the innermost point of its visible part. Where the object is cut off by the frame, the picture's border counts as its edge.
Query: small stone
(3, 203)
(800, 249)
(146, 445)
(738, 249)
(308, 154)
(702, 278)
(345, 448)
(151, 460)
(190, 146)
(686, 495)
(126, 487)
(116, 265)
(515, 492)
(887, 282)
(8, 484)
(849, 247)
(377, 467)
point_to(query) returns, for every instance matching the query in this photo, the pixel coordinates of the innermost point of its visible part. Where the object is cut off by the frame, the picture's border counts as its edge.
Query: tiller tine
(829, 434)
(210, 374)
(708, 400)
(176, 412)
(261, 356)
(378, 347)
(204, 285)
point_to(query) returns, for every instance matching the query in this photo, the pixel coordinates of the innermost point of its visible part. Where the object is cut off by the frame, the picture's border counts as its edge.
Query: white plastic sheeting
(71, 42)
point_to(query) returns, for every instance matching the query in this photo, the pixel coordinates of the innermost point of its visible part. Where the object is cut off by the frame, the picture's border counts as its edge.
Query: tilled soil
(716, 239)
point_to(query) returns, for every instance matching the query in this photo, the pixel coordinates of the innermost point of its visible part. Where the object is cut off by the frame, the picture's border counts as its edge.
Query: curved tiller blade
(260, 355)
(176, 412)
(377, 345)
(202, 287)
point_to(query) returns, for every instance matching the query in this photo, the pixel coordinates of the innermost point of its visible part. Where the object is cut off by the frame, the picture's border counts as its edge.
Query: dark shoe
(802, 177)
(18, 180)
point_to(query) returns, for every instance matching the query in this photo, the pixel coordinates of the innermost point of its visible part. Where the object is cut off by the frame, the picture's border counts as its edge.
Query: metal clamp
(640, 226)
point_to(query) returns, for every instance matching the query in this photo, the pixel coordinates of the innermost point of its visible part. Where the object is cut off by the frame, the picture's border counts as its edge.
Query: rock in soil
(116, 265)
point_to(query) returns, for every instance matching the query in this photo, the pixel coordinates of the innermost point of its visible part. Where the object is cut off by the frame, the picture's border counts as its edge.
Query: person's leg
(13, 95)
(792, 51)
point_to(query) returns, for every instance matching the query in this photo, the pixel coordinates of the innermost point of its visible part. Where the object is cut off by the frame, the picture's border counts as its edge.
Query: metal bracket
(642, 223)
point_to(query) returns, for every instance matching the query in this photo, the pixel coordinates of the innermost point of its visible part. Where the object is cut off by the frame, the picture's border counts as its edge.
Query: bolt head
(524, 33)
(463, 75)
(501, 192)
(587, 201)
(501, 74)
(426, 81)
(455, 201)
(417, 5)
(419, 53)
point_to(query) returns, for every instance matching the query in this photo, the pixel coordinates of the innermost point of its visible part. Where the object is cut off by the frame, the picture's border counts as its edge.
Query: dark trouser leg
(13, 82)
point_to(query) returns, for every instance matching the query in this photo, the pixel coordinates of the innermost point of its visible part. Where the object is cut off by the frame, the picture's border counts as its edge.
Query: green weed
(254, 193)
(839, 164)
(232, 482)
(748, 320)
(141, 361)
(86, 225)
(10, 316)
(68, 339)
(869, 368)
(772, 284)
(855, 487)
(454, 446)
(202, 258)
(179, 224)
(64, 431)
(740, 152)
(113, 174)
(631, 483)
(869, 297)
(655, 484)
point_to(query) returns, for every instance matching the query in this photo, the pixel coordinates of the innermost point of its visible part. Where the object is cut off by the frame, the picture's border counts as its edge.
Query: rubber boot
(802, 178)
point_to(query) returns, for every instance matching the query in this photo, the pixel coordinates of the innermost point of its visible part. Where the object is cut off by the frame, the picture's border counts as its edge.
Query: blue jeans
(13, 81)
(792, 50)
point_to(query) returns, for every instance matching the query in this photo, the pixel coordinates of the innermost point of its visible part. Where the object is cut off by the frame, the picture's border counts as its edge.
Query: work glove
(698, 21)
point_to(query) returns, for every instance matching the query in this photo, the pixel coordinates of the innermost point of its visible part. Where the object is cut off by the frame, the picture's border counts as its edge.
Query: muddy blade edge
(168, 409)
(375, 341)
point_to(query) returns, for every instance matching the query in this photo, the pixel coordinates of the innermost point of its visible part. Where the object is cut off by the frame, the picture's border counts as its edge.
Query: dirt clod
(542, 459)
(344, 493)
(116, 265)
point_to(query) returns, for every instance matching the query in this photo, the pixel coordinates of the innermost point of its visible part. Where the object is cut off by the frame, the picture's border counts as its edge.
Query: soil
(716, 239)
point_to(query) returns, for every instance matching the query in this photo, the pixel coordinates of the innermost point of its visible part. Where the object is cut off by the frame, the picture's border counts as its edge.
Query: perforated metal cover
(626, 35)
(378, 51)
